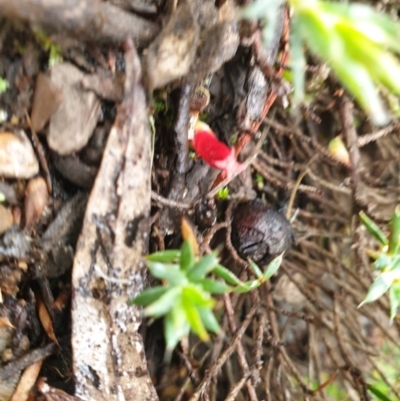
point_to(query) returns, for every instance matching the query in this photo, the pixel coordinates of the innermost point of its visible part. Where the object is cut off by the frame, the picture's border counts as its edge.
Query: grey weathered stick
(85, 19)
(108, 354)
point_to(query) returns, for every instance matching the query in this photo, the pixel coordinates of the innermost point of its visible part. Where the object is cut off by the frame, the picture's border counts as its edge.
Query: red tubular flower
(214, 152)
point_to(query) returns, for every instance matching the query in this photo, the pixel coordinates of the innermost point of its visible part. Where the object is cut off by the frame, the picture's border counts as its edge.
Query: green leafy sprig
(357, 42)
(387, 262)
(185, 298)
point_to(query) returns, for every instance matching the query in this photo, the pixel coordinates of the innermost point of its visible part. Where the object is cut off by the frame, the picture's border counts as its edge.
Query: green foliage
(387, 262)
(3, 85)
(53, 50)
(185, 298)
(387, 365)
(356, 41)
(223, 193)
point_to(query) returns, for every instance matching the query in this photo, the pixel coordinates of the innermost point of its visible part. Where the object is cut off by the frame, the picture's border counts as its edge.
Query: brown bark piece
(73, 123)
(108, 353)
(83, 19)
(46, 101)
(171, 54)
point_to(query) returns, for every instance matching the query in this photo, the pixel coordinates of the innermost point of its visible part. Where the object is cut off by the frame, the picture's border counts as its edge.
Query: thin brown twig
(235, 390)
(213, 371)
(240, 350)
(169, 202)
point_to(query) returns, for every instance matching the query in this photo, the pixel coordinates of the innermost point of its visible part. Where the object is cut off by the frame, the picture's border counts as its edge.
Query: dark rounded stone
(260, 232)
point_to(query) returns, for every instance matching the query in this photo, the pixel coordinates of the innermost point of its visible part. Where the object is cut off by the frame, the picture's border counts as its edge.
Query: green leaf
(383, 261)
(380, 286)
(373, 229)
(394, 297)
(168, 272)
(376, 26)
(164, 304)
(298, 62)
(148, 296)
(167, 256)
(196, 296)
(214, 286)
(202, 267)
(176, 326)
(356, 78)
(257, 271)
(187, 256)
(248, 286)
(194, 319)
(381, 64)
(3, 85)
(226, 275)
(377, 393)
(209, 320)
(394, 237)
(273, 267)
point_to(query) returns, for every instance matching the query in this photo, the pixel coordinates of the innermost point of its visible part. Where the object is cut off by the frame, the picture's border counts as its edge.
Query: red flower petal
(210, 149)
(216, 153)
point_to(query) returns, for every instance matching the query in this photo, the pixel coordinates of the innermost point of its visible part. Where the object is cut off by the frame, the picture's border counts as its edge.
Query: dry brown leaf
(17, 158)
(26, 382)
(73, 123)
(46, 101)
(45, 319)
(6, 219)
(36, 198)
(5, 322)
(189, 235)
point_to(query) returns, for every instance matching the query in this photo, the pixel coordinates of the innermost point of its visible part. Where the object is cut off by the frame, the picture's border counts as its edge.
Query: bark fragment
(108, 352)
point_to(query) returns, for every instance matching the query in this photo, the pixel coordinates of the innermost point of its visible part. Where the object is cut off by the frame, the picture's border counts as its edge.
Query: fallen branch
(83, 19)
(108, 351)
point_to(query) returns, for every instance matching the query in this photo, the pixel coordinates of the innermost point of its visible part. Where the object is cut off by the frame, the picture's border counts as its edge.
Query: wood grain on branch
(108, 353)
(85, 19)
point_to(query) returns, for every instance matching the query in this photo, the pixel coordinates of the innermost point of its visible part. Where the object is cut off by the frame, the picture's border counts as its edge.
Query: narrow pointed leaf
(394, 238)
(194, 319)
(196, 296)
(167, 256)
(148, 296)
(168, 272)
(227, 275)
(373, 229)
(273, 267)
(163, 304)
(383, 261)
(394, 297)
(378, 393)
(187, 256)
(214, 286)
(379, 287)
(176, 326)
(202, 267)
(209, 320)
(257, 271)
(248, 286)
